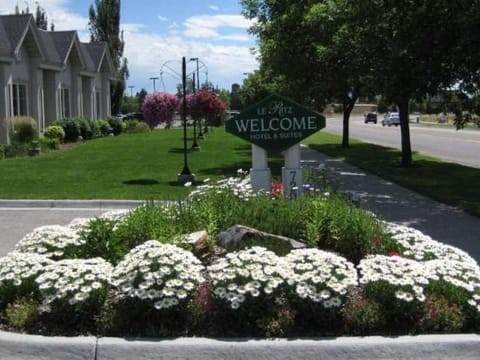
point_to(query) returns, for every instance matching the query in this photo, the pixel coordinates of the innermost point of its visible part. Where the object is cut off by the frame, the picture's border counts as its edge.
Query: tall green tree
(104, 25)
(312, 46)
(417, 48)
(41, 18)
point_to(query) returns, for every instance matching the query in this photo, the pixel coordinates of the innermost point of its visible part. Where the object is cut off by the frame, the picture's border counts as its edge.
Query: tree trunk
(405, 130)
(348, 105)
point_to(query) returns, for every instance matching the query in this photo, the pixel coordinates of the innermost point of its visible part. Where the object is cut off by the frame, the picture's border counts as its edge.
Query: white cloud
(214, 7)
(210, 26)
(147, 53)
(162, 18)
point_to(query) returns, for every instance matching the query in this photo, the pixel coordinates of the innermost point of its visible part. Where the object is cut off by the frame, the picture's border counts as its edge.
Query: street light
(185, 176)
(200, 134)
(195, 145)
(154, 79)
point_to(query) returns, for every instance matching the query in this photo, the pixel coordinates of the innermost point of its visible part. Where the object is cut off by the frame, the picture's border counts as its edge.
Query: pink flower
(159, 108)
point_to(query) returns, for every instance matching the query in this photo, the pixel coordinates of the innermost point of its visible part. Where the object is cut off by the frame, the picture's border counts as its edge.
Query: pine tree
(104, 25)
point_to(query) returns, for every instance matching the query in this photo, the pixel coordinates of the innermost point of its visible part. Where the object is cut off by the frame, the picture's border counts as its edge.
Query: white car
(391, 118)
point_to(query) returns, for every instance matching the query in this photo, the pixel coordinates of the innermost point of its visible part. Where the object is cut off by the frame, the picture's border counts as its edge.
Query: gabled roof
(51, 55)
(54, 47)
(100, 56)
(14, 30)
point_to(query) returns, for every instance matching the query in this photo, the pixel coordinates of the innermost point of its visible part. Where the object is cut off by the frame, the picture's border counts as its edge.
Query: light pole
(131, 90)
(200, 134)
(195, 145)
(154, 79)
(185, 176)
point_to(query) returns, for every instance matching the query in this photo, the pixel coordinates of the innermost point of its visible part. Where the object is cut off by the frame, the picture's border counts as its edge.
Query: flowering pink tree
(205, 103)
(159, 108)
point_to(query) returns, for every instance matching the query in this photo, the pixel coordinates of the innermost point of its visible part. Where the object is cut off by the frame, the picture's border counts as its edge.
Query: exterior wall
(4, 103)
(51, 86)
(36, 95)
(88, 97)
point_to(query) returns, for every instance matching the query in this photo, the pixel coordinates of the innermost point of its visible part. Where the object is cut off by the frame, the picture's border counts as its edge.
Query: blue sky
(159, 32)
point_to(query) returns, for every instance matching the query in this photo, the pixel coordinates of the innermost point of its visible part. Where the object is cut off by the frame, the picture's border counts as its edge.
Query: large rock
(238, 234)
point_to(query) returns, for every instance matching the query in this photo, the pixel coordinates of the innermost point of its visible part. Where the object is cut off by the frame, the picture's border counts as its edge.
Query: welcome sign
(275, 123)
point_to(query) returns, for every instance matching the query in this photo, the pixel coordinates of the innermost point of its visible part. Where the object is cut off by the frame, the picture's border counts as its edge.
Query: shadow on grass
(450, 183)
(141, 182)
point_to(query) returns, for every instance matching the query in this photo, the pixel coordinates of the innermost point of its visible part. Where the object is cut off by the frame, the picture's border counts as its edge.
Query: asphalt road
(461, 146)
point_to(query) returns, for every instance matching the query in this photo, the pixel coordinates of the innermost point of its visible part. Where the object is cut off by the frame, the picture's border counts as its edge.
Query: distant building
(50, 75)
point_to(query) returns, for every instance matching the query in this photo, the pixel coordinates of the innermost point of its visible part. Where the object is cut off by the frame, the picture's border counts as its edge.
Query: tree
(41, 18)
(104, 25)
(417, 48)
(326, 63)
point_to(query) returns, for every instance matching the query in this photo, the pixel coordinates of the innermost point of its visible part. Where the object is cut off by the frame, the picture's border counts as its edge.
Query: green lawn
(145, 166)
(449, 183)
(130, 166)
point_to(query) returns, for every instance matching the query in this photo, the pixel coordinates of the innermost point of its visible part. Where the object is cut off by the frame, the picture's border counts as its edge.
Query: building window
(19, 98)
(65, 102)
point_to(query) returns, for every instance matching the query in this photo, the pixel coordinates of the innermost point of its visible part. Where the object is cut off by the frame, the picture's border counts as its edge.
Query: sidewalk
(396, 204)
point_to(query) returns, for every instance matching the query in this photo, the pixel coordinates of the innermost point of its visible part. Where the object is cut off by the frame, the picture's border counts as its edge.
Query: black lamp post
(185, 176)
(195, 146)
(200, 134)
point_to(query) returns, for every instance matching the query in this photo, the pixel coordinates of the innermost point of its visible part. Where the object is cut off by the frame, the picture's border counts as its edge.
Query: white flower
(168, 275)
(247, 273)
(51, 240)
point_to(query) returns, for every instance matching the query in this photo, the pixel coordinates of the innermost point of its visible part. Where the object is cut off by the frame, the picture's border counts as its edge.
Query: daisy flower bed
(137, 273)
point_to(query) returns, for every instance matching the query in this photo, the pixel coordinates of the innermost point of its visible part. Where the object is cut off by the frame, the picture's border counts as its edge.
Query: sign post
(276, 124)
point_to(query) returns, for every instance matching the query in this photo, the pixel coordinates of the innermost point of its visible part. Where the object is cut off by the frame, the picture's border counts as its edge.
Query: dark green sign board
(275, 123)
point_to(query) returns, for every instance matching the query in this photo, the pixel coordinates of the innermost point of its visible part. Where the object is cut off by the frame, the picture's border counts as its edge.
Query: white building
(49, 75)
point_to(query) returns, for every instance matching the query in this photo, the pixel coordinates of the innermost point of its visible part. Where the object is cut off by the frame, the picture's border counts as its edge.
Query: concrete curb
(422, 347)
(71, 204)
(35, 347)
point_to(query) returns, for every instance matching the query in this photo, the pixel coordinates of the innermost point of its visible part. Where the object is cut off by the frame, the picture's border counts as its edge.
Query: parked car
(134, 116)
(370, 117)
(391, 118)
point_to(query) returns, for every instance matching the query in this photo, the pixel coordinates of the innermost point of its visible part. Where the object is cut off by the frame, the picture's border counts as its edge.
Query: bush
(439, 315)
(116, 124)
(71, 127)
(48, 144)
(349, 230)
(104, 127)
(94, 128)
(86, 131)
(54, 132)
(22, 313)
(135, 126)
(24, 130)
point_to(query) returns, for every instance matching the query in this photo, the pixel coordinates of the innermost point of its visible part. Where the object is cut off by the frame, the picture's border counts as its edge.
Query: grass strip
(449, 183)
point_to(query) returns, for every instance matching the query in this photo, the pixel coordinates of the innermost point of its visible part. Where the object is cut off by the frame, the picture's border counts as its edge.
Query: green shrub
(24, 129)
(54, 132)
(2, 152)
(363, 316)
(94, 128)
(86, 131)
(71, 127)
(22, 313)
(101, 241)
(136, 126)
(439, 315)
(116, 124)
(104, 127)
(16, 149)
(348, 230)
(48, 144)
